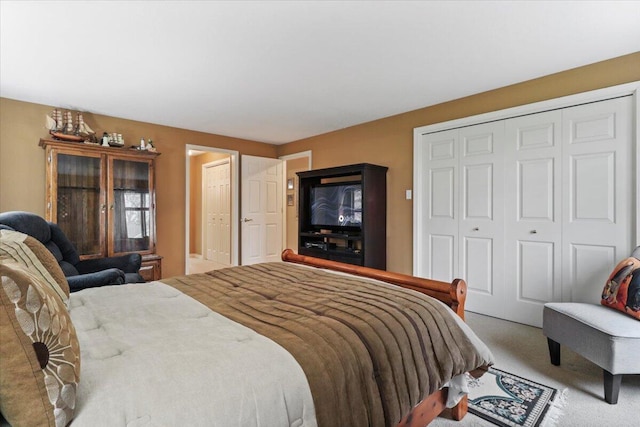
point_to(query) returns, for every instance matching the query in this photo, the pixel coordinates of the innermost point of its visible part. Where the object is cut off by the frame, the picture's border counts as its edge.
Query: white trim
(299, 155)
(284, 158)
(556, 103)
(632, 89)
(635, 123)
(234, 157)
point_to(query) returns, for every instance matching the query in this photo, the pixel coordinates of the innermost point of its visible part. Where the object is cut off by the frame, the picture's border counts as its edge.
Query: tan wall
(386, 142)
(389, 141)
(195, 202)
(293, 166)
(22, 180)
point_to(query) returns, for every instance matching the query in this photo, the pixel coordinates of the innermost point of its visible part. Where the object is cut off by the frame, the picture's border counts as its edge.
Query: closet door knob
(476, 229)
(534, 231)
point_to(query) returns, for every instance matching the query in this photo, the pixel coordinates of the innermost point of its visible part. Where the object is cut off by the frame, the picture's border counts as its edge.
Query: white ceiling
(281, 71)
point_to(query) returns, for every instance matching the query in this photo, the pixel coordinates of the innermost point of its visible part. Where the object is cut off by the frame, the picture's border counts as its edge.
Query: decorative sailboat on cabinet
(65, 130)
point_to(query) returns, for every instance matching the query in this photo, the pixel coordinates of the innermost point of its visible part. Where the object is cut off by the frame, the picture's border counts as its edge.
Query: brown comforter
(370, 351)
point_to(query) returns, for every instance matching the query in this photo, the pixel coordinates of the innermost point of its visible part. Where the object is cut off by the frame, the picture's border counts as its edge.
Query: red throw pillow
(622, 290)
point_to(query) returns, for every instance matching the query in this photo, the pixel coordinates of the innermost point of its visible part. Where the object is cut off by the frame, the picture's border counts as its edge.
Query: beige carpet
(199, 265)
(522, 350)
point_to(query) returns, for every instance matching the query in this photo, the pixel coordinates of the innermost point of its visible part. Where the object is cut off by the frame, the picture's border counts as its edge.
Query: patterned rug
(508, 400)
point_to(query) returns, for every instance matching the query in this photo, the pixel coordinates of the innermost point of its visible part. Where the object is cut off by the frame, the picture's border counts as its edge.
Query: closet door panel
(478, 266)
(437, 218)
(585, 267)
(536, 272)
(442, 256)
(482, 216)
(478, 192)
(535, 190)
(597, 194)
(532, 215)
(441, 202)
(592, 187)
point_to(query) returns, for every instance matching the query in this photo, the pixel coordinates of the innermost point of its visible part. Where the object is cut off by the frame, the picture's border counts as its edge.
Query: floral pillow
(29, 252)
(39, 355)
(622, 290)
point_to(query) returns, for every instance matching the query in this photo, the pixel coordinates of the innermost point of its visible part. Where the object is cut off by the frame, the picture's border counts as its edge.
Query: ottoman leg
(554, 351)
(611, 386)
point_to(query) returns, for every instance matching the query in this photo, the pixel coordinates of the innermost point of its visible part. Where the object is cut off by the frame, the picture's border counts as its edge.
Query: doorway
(195, 218)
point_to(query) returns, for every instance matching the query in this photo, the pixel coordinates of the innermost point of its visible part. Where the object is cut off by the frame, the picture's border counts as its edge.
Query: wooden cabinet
(103, 199)
(151, 268)
(342, 214)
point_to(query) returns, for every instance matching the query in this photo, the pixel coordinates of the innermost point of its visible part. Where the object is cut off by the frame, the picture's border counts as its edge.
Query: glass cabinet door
(131, 206)
(79, 200)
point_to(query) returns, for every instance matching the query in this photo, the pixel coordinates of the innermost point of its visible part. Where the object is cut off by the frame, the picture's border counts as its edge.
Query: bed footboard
(453, 294)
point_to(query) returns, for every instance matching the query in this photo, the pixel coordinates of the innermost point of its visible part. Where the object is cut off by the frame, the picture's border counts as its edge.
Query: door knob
(476, 228)
(247, 219)
(534, 231)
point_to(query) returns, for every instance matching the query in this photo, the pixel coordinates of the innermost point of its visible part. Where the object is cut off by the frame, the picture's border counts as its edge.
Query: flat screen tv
(336, 206)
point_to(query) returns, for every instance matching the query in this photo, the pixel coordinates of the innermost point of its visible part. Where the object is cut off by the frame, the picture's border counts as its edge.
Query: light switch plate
(408, 194)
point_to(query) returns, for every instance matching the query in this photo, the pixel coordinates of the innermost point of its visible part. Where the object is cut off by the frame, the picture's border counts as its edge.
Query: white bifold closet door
(530, 209)
(598, 195)
(481, 218)
(533, 216)
(464, 228)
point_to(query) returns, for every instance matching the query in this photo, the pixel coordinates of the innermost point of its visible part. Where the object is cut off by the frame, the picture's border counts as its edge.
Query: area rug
(508, 400)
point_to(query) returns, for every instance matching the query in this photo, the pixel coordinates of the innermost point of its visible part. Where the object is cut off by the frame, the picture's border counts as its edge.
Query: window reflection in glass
(132, 220)
(136, 206)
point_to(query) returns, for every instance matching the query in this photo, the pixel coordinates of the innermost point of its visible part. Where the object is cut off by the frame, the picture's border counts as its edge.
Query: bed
(303, 342)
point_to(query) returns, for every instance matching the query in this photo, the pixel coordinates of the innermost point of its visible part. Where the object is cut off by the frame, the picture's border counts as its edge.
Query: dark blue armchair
(80, 274)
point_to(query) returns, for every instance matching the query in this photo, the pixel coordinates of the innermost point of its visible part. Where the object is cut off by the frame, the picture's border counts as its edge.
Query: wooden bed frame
(453, 294)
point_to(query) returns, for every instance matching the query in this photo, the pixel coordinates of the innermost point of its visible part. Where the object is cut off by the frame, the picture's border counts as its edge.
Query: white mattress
(152, 356)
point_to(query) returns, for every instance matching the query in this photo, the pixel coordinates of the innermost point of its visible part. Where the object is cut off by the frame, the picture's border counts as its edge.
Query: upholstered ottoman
(607, 337)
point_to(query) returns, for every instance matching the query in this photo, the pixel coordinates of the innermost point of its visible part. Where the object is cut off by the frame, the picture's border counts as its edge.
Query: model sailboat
(65, 129)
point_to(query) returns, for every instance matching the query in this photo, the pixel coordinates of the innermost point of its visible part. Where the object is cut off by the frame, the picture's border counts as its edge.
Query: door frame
(419, 206)
(203, 185)
(234, 157)
(298, 155)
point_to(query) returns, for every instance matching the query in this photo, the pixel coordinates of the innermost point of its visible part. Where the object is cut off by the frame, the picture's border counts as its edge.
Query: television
(336, 206)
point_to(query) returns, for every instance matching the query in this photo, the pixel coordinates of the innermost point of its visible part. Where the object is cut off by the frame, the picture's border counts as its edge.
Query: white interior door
(261, 211)
(598, 195)
(211, 208)
(533, 224)
(217, 178)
